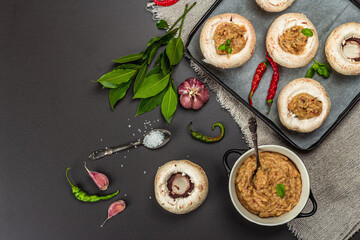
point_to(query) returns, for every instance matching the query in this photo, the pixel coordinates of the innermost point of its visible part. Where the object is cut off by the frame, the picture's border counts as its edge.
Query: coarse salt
(153, 139)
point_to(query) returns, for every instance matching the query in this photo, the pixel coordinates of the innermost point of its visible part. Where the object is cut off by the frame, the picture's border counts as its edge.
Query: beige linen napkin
(334, 166)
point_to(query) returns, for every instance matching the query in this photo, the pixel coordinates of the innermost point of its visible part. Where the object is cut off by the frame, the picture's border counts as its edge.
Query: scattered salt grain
(125, 194)
(128, 150)
(150, 197)
(144, 172)
(124, 156)
(187, 156)
(129, 126)
(139, 130)
(122, 165)
(153, 139)
(134, 134)
(101, 139)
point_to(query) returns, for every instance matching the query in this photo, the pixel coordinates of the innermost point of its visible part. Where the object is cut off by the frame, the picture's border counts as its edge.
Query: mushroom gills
(179, 185)
(351, 49)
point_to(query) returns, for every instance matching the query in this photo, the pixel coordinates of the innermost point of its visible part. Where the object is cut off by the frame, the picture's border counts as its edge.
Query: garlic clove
(101, 181)
(186, 101)
(114, 209)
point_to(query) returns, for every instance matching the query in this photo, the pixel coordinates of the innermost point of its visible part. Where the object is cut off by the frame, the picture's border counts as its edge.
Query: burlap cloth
(334, 166)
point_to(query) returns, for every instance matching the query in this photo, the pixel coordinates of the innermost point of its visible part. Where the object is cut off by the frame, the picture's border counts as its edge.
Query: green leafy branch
(153, 87)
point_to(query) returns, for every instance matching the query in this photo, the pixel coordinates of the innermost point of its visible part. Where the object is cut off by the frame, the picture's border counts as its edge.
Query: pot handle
(313, 211)
(225, 158)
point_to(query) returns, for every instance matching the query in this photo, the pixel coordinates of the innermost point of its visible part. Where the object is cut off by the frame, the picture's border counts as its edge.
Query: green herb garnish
(307, 32)
(226, 47)
(323, 69)
(153, 86)
(280, 190)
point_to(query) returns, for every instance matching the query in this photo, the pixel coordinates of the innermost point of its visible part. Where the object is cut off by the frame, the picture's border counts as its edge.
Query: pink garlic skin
(101, 181)
(114, 209)
(193, 94)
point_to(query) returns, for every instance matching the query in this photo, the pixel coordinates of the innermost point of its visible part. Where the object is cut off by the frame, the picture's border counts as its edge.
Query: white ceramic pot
(271, 221)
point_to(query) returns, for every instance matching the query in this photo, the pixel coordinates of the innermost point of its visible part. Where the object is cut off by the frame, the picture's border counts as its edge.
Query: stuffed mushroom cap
(207, 42)
(303, 86)
(274, 5)
(342, 49)
(278, 28)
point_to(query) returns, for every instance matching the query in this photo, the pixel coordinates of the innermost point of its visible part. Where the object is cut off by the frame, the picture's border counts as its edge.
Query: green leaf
(140, 77)
(158, 59)
(280, 190)
(152, 85)
(117, 76)
(153, 53)
(128, 66)
(222, 47)
(229, 50)
(228, 42)
(162, 24)
(307, 32)
(175, 51)
(109, 85)
(152, 40)
(169, 119)
(116, 94)
(169, 104)
(310, 73)
(168, 36)
(129, 58)
(148, 104)
(153, 71)
(165, 64)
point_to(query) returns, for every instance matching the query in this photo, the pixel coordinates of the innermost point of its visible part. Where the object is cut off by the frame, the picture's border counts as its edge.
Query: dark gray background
(53, 116)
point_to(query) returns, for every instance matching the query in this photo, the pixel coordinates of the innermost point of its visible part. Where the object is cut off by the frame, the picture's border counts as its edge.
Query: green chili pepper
(206, 139)
(83, 196)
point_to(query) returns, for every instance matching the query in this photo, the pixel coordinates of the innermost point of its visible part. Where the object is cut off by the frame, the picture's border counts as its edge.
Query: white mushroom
(342, 49)
(180, 186)
(292, 89)
(277, 29)
(207, 42)
(274, 5)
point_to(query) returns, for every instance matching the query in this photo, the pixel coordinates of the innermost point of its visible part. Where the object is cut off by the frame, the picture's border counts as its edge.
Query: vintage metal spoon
(253, 129)
(111, 150)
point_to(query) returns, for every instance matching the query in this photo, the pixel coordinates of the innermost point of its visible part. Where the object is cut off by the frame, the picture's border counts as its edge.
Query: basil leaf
(168, 36)
(307, 32)
(148, 104)
(175, 50)
(118, 76)
(152, 85)
(228, 42)
(280, 190)
(116, 94)
(323, 71)
(140, 77)
(169, 104)
(162, 24)
(222, 47)
(129, 58)
(128, 66)
(229, 50)
(310, 73)
(165, 64)
(153, 71)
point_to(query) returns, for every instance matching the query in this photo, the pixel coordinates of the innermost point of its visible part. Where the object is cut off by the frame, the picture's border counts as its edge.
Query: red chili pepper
(260, 70)
(274, 81)
(165, 3)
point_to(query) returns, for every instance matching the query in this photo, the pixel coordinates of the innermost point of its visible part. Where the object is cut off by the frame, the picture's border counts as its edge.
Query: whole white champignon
(181, 205)
(295, 87)
(278, 27)
(341, 53)
(207, 44)
(274, 5)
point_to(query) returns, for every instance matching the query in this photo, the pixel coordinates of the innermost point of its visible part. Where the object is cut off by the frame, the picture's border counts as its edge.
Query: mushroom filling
(179, 185)
(231, 31)
(305, 106)
(293, 40)
(351, 49)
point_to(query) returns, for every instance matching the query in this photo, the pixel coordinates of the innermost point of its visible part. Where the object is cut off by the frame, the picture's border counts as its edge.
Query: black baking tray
(344, 91)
